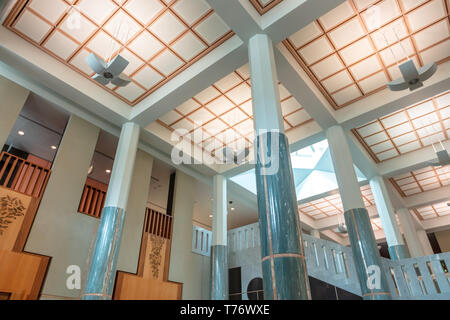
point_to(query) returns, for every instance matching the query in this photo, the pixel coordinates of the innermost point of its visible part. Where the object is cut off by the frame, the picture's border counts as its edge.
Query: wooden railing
(93, 198)
(22, 176)
(158, 223)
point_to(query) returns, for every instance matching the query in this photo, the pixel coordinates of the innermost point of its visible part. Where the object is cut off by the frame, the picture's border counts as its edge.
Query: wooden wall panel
(14, 209)
(22, 274)
(132, 287)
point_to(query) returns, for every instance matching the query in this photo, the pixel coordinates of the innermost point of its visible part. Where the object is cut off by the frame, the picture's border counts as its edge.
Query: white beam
(408, 162)
(428, 197)
(386, 102)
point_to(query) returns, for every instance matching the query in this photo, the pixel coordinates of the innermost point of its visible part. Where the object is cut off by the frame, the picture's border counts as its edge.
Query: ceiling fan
(413, 78)
(110, 72)
(235, 156)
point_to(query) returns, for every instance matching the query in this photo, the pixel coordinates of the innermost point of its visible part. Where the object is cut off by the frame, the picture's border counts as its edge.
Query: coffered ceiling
(418, 181)
(332, 205)
(160, 38)
(224, 113)
(407, 130)
(434, 211)
(263, 6)
(353, 51)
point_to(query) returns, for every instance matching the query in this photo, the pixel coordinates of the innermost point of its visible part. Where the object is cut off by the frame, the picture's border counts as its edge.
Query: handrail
(158, 223)
(415, 278)
(419, 278)
(22, 176)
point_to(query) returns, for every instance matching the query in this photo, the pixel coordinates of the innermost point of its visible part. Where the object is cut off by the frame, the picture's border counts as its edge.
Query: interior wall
(13, 98)
(193, 270)
(159, 188)
(59, 231)
(443, 238)
(135, 214)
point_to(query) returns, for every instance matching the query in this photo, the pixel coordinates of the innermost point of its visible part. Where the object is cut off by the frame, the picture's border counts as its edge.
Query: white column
(343, 168)
(122, 173)
(265, 91)
(219, 227)
(386, 212)
(410, 233)
(425, 242)
(315, 233)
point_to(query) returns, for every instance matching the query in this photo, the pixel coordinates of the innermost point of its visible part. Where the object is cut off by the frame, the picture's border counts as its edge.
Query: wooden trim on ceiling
(263, 9)
(23, 5)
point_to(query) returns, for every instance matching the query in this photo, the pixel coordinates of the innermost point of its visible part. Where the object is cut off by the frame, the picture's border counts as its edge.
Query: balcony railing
(22, 176)
(158, 223)
(93, 199)
(201, 241)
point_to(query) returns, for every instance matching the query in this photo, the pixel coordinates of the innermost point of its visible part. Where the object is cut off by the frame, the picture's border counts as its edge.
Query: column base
(219, 272)
(398, 252)
(103, 262)
(366, 256)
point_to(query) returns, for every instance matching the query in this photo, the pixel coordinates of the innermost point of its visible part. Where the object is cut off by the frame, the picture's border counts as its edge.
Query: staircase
(416, 278)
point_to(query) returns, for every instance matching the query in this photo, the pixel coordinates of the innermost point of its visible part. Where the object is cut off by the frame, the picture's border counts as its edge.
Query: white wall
(191, 269)
(13, 98)
(58, 230)
(135, 214)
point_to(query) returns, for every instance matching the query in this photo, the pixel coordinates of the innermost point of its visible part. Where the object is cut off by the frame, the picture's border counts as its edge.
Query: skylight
(313, 172)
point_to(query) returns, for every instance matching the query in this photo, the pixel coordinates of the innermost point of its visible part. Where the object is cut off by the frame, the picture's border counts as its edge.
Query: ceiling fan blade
(121, 80)
(398, 85)
(96, 64)
(427, 71)
(117, 65)
(100, 79)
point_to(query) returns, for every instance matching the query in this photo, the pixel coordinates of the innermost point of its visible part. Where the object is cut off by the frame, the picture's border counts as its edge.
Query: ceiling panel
(409, 129)
(264, 6)
(159, 38)
(332, 205)
(422, 180)
(358, 45)
(434, 211)
(223, 112)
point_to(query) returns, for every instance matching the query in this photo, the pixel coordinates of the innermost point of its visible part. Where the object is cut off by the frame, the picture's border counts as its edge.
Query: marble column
(13, 98)
(362, 239)
(410, 233)
(219, 250)
(103, 263)
(283, 260)
(396, 246)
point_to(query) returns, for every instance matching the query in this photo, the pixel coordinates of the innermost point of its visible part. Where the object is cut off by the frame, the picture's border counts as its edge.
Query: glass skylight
(313, 172)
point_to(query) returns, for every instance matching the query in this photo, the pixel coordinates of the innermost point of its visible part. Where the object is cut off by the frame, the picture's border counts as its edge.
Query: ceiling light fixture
(210, 215)
(53, 147)
(21, 133)
(108, 171)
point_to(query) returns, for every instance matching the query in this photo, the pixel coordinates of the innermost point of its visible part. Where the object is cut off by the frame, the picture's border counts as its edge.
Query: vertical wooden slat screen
(93, 198)
(158, 223)
(22, 176)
